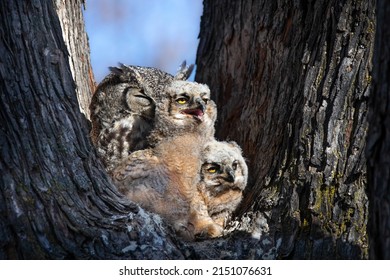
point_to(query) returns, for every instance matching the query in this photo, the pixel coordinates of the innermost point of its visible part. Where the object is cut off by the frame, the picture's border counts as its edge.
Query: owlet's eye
(181, 101)
(212, 169)
(234, 166)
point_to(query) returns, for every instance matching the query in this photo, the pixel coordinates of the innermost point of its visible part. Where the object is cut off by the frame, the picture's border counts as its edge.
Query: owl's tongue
(197, 113)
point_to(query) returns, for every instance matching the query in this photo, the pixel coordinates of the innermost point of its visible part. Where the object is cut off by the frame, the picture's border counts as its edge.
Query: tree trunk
(378, 143)
(291, 82)
(76, 40)
(56, 201)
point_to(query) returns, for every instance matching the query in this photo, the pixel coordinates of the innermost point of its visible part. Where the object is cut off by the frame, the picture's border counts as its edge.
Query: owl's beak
(201, 104)
(230, 175)
(197, 112)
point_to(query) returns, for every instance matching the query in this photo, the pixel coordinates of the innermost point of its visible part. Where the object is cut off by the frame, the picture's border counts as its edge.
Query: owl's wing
(142, 171)
(145, 179)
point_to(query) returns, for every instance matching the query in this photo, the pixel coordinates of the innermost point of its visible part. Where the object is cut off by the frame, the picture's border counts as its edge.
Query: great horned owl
(187, 108)
(224, 175)
(163, 180)
(123, 109)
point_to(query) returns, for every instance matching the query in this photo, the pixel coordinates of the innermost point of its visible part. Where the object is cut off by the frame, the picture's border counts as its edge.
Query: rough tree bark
(291, 80)
(378, 143)
(56, 201)
(76, 40)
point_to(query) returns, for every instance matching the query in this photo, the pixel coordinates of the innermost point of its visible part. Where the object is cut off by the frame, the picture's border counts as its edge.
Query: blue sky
(156, 33)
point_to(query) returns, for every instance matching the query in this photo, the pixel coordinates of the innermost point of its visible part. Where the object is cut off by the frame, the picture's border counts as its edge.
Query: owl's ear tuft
(184, 72)
(121, 71)
(127, 73)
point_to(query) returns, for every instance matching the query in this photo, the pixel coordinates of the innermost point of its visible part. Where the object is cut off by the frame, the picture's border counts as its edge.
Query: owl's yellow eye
(181, 101)
(212, 170)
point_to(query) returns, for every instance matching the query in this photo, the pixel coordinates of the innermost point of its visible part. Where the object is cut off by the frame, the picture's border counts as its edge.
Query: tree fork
(292, 87)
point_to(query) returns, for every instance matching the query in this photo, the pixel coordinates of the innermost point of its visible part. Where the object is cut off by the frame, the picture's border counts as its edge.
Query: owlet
(224, 175)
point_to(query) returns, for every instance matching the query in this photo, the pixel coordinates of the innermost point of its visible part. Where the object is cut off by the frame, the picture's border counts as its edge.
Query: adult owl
(123, 109)
(224, 175)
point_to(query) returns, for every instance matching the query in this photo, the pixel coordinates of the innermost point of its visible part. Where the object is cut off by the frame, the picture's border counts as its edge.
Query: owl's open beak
(196, 113)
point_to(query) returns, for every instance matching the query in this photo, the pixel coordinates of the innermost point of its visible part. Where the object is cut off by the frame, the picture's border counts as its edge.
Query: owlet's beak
(198, 111)
(230, 175)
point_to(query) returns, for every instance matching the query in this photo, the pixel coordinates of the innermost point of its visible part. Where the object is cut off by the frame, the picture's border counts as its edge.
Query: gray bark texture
(76, 40)
(291, 80)
(56, 201)
(378, 142)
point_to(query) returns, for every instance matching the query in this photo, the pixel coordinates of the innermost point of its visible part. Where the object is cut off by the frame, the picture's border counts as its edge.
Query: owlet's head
(190, 105)
(223, 167)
